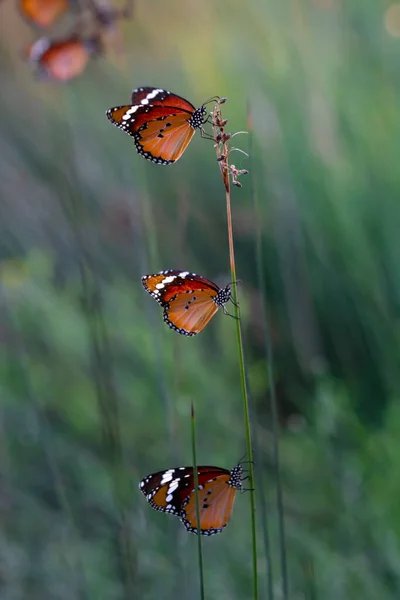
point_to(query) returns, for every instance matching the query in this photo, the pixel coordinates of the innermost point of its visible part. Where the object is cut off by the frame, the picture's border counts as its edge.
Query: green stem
(244, 388)
(227, 171)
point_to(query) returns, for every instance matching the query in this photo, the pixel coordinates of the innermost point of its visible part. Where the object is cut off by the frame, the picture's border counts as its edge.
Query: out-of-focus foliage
(95, 390)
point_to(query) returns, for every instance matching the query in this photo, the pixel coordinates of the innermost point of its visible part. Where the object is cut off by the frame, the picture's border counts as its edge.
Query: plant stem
(226, 171)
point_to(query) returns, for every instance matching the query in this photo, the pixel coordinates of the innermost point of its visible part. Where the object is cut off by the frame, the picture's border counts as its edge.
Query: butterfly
(172, 491)
(161, 123)
(189, 300)
(43, 13)
(62, 60)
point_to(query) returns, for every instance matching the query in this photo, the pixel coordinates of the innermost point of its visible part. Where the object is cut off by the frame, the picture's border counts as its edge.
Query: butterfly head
(198, 118)
(236, 477)
(224, 295)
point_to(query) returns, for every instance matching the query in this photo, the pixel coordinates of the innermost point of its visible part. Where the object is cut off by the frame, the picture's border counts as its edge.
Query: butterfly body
(161, 123)
(173, 491)
(189, 300)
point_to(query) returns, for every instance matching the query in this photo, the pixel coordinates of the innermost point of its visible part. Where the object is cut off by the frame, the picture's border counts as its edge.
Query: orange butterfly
(62, 60)
(161, 123)
(172, 491)
(189, 300)
(43, 13)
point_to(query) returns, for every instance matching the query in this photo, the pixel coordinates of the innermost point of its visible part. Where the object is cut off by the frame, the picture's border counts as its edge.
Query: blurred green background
(95, 390)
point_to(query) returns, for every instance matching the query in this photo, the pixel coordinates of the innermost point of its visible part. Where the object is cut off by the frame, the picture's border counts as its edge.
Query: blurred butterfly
(62, 60)
(189, 300)
(172, 491)
(161, 123)
(43, 13)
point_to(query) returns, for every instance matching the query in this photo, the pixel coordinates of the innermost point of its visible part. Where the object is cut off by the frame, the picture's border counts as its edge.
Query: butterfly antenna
(213, 99)
(241, 461)
(237, 281)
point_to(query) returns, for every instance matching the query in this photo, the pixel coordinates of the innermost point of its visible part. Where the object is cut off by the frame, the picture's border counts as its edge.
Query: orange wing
(43, 12)
(189, 312)
(216, 500)
(165, 140)
(131, 118)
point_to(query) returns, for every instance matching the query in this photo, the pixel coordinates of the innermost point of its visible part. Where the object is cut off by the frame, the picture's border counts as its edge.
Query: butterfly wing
(42, 13)
(130, 118)
(160, 97)
(165, 285)
(188, 313)
(167, 490)
(216, 495)
(164, 140)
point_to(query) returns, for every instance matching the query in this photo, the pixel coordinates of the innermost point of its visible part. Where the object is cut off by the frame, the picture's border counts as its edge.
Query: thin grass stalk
(307, 565)
(270, 369)
(227, 172)
(196, 491)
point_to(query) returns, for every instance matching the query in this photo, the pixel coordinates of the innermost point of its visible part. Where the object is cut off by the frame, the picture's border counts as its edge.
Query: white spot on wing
(173, 486)
(167, 477)
(168, 279)
(151, 95)
(184, 274)
(129, 113)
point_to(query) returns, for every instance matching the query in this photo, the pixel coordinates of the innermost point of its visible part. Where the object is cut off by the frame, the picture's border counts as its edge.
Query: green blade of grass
(227, 172)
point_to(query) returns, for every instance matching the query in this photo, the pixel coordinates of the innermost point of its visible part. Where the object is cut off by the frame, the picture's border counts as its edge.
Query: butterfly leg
(229, 314)
(206, 135)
